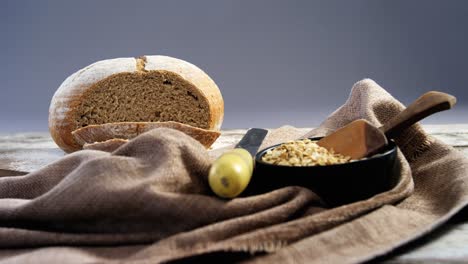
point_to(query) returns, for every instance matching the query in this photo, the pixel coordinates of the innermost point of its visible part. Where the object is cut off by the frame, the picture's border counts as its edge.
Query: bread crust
(128, 130)
(68, 97)
(108, 146)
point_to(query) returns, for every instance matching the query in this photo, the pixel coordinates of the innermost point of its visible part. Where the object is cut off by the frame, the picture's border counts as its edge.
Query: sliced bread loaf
(144, 89)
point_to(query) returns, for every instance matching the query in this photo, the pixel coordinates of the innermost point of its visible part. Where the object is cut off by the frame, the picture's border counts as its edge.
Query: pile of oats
(303, 152)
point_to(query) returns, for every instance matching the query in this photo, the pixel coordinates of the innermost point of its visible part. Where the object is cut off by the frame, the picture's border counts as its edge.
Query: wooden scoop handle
(428, 104)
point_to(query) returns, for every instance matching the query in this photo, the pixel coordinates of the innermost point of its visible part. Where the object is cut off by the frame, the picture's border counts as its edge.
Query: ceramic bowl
(336, 184)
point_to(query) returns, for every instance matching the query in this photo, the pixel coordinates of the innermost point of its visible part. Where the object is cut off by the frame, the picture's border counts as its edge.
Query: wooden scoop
(360, 139)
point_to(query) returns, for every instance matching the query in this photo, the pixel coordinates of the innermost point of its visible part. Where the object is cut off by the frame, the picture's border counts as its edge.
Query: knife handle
(230, 174)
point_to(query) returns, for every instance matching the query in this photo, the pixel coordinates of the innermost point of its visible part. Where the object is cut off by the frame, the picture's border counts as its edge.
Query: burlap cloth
(149, 202)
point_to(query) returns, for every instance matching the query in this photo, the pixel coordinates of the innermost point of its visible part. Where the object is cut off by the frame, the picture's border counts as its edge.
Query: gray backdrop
(276, 62)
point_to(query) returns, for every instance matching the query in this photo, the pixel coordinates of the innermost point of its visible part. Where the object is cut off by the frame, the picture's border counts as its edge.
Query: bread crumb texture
(150, 97)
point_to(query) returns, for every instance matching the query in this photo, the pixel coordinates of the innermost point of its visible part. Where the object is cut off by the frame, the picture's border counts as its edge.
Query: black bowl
(336, 184)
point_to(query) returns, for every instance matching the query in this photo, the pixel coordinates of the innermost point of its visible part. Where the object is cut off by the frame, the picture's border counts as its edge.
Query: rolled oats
(304, 152)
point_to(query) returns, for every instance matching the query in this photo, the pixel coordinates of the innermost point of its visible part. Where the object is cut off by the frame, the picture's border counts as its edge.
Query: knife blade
(230, 174)
(252, 140)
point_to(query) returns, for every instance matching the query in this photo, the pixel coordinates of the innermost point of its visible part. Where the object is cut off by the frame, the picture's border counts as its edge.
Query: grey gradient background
(276, 62)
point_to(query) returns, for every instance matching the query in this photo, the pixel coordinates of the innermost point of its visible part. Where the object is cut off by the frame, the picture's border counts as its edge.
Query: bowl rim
(391, 145)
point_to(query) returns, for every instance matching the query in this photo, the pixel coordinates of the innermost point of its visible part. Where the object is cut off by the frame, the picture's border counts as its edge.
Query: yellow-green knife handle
(231, 173)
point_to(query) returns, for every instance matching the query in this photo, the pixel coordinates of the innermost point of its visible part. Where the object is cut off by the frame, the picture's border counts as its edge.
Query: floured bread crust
(128, 130)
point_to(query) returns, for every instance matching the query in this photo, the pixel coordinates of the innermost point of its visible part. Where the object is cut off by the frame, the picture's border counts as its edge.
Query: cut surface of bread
(128, 130)
(144, 89)
(153, 96)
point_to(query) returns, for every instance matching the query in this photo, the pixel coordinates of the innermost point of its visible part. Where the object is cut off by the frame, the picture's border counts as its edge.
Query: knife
(230, 174)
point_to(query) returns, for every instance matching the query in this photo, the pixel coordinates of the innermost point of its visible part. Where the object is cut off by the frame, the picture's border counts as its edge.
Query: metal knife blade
(252, 140)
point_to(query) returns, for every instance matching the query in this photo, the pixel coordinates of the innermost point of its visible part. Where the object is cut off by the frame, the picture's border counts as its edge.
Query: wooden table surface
(448, 244)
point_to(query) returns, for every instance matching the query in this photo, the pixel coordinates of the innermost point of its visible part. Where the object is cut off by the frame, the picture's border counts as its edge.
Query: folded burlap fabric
(149, 202)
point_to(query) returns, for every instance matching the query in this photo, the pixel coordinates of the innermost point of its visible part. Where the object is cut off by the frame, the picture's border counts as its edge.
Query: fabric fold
(149, 201)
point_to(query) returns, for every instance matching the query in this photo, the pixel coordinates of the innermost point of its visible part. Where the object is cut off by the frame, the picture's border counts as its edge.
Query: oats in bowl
(304, 152)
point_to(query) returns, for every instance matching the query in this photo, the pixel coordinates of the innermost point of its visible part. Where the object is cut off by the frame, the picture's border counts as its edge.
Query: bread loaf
(128, 130)
(144, 89)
